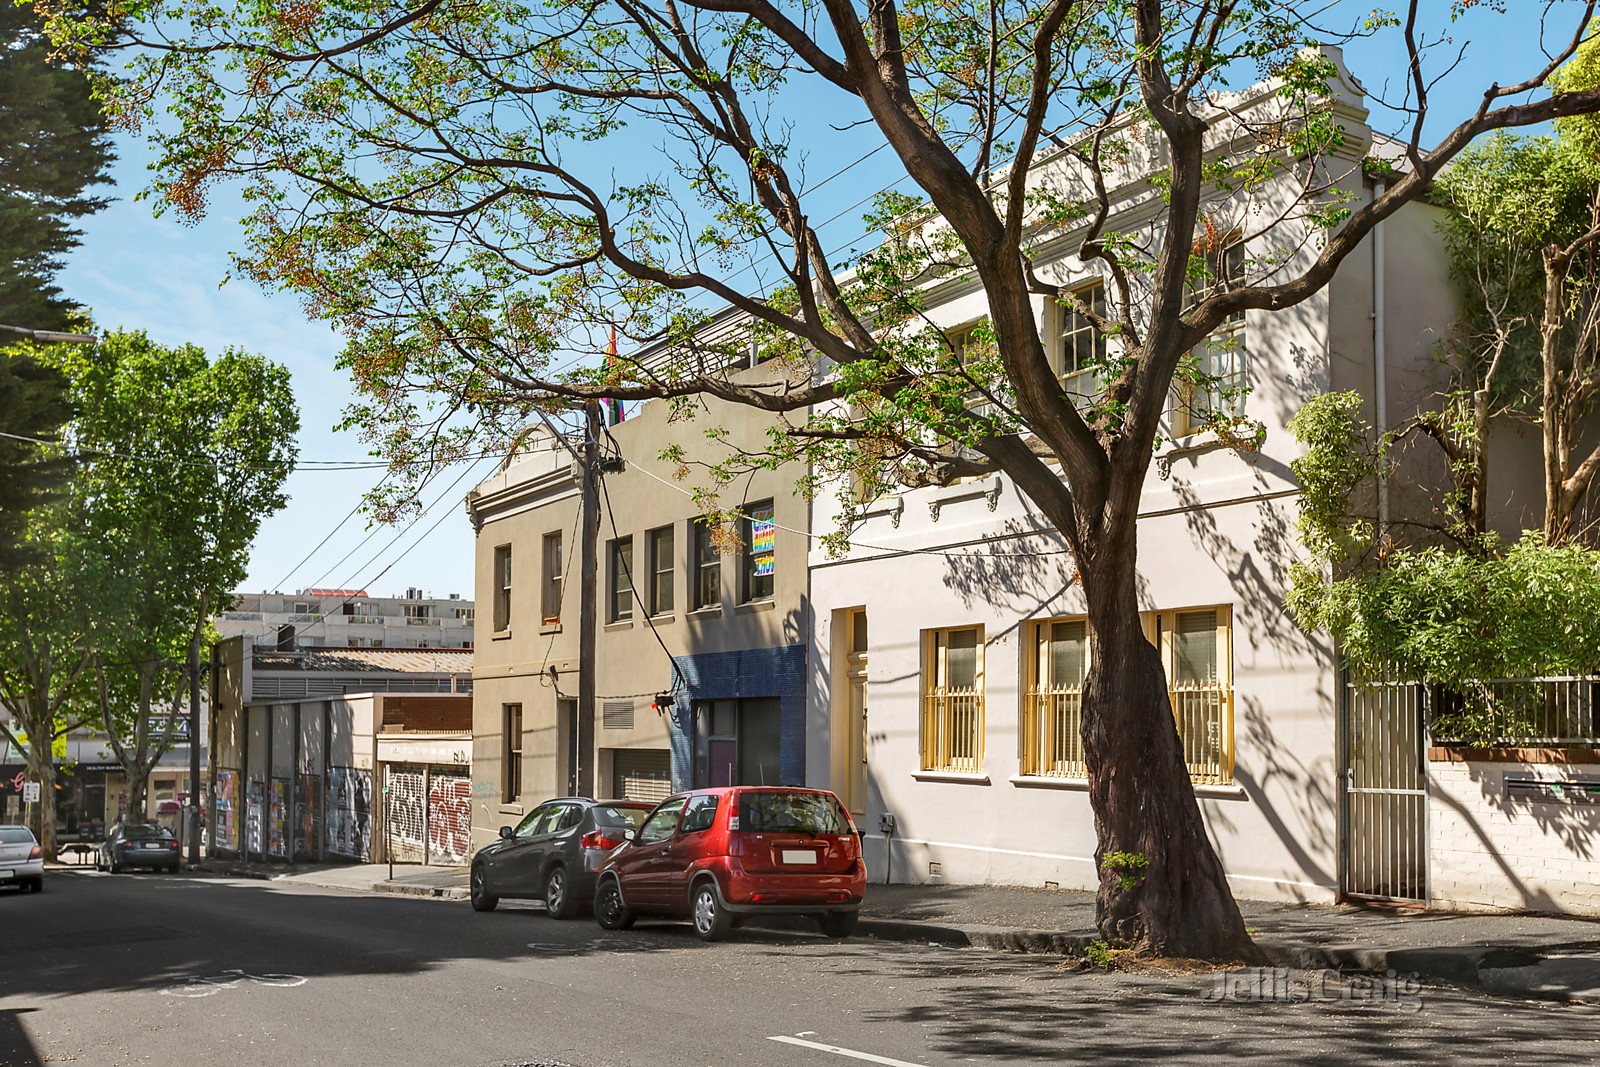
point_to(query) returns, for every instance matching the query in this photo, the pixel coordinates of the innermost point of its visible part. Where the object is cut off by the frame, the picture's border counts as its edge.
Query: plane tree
(479, 193)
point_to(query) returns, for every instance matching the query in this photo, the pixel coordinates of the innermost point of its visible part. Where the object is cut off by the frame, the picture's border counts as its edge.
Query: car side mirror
(630, 835)
(506, 832)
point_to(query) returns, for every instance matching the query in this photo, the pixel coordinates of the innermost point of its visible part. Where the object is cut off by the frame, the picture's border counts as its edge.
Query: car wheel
(609, 909)
(837, 923)
(712, 921)
(558, 902)
(482, 899)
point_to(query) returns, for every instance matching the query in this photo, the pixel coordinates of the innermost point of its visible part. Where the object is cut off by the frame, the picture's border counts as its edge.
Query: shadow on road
(16, 1048)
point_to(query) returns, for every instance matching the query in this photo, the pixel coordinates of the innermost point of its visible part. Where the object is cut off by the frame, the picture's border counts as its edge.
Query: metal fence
(1541, 711)
(952, 730)
(1386, 796)
(1052, 731)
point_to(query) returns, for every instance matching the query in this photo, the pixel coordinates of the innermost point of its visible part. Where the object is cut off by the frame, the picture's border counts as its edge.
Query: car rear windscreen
(620, 815)
(15, 835)
(779, 812)
(142, 830)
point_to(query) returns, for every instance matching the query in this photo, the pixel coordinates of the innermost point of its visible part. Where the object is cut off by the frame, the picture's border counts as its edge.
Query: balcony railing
(952, 730)
(421, 620)
(1052, 731)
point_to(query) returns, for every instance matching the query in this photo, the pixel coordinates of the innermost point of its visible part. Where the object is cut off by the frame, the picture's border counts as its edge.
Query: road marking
(837, 1051)
(208, 985)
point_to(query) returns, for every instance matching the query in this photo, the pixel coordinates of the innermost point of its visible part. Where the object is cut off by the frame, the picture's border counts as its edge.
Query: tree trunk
(42, 769)
(138, 790)
(1178, 903)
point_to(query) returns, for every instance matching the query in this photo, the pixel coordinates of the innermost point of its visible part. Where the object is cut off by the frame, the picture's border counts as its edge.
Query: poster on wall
(763, 541)
(226, 808)
(277, 815)
(349, 812)
(254, 823)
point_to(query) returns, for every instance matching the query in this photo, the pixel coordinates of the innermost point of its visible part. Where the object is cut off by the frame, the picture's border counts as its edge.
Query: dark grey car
(138, 844)
(552, 854)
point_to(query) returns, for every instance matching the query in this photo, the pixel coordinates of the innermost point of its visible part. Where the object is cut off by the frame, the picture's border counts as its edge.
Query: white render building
(950, 643)
(348, 618)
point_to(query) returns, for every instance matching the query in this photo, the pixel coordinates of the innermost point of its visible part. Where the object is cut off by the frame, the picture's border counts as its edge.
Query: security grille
(449, 818)
(1386, 796)
(405, 804)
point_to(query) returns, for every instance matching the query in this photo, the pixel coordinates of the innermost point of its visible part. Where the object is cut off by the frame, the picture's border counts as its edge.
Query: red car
(720, 856)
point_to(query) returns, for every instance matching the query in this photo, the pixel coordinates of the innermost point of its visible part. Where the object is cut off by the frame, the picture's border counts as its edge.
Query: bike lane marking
(869, 1057)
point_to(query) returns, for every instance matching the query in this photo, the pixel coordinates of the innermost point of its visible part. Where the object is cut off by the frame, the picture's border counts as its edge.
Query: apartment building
(349, 618)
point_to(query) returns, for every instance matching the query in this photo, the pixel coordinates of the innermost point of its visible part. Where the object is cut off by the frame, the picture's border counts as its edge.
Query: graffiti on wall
(407, 820)
(308, 813)
(349, 812)
(449, 818)
(226, 809)
(254, 823)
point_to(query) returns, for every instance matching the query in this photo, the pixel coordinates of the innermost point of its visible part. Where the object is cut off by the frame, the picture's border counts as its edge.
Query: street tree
(54, 149)
(181, 458)
(33, 406)
(474, 191)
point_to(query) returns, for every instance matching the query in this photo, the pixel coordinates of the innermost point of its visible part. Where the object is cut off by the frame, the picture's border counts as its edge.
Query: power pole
(588, 566)
(194, 747)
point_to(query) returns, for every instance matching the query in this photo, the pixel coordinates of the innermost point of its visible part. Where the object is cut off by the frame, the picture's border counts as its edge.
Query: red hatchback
(720, 856)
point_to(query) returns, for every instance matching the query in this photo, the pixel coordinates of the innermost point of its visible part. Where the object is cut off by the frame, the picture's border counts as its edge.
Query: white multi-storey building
(349, 618)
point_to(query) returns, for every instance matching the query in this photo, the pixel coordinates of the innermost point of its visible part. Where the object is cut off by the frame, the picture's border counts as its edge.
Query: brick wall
(1489, 849)
(747, 673)
(427, 713)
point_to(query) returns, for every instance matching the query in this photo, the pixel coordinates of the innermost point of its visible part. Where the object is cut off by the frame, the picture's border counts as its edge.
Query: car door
(640, 864)
(560, 840)
(514, 870)
(688, 848)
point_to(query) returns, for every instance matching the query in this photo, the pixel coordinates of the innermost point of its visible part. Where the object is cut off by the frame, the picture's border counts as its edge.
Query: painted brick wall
(427, 714)
(753, 672)
(1489, 850)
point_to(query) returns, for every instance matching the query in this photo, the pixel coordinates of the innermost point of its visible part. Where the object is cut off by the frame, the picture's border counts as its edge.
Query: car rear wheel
(837, 923)
(115, 866)
(610, 911)
(558, 902)
(478, 887)
(712, 921)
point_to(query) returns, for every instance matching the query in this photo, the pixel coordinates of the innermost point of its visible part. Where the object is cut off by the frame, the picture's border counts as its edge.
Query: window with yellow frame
(1196, 653)
(952, 700)
(1217, 390)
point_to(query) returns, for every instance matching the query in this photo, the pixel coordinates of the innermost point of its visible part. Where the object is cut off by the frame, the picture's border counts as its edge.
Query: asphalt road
(157, 969)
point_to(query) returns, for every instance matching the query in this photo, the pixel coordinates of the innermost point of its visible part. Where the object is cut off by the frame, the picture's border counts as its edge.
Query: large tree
(182, 457)
(53, 150)
(473, 190)
(33, 405)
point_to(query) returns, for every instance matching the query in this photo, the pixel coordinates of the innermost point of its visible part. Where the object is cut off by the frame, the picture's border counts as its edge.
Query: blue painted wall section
(750, 672)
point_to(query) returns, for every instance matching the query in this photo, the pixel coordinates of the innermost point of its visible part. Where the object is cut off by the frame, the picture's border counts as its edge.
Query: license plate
(5, 873)
(791, 855)
(151, 845)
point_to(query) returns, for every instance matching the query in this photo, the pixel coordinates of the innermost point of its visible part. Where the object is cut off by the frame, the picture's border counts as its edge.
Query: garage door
(641, 774)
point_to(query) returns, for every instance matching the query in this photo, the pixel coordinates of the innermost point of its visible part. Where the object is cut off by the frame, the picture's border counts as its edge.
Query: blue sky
(141, 272)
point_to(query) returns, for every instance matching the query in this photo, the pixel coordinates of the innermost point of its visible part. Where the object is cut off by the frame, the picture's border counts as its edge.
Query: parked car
(138, 844)
(21, 859)
(721, 856)
(552, 854)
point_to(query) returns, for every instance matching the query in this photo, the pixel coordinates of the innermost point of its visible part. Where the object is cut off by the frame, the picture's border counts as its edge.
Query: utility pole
(588, 566)
(194, 747)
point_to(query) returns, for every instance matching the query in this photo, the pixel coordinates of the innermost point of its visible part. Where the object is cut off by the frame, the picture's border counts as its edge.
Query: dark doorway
(737, 742)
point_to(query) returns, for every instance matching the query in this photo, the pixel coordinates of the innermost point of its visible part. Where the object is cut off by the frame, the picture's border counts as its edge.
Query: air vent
(617, 714)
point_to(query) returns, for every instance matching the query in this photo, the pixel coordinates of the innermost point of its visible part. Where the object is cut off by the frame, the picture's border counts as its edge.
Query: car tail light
(37, 853)
(172, 845)
(597, 839)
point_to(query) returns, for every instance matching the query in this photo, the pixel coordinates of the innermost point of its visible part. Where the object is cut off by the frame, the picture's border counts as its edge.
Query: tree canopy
(478, 193)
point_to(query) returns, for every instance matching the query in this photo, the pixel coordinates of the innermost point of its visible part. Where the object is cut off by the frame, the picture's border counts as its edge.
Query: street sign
(30, 793)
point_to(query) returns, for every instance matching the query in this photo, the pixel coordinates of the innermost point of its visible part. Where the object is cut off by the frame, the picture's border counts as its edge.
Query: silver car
(21, 859)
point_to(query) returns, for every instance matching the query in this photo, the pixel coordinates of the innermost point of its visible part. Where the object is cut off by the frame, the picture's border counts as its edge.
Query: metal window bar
(1540, 711)
(952, 730)
(1052, 731)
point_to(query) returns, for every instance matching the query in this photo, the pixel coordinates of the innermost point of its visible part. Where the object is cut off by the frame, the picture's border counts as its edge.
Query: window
(536, 821)
(707, 565)
(1197, 655)
(700, 813)
(758, 536)
(661, 823)
(661, 571)
(967, 347)
(1081, 349)
(779, 813)
(511, 752)
(550, 588)
(621, 579)
(418, 614)
(1216, 391)
(1052, 724)
(465, 614)
(952, 706)
(502, 588)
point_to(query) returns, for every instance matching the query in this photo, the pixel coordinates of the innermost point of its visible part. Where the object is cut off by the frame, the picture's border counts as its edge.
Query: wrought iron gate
(1386, 789)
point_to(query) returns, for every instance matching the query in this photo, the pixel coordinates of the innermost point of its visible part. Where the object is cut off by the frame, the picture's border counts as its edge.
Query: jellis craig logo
(1280, 985)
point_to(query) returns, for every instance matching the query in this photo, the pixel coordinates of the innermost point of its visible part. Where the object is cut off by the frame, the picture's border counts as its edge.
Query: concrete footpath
(1536, 956)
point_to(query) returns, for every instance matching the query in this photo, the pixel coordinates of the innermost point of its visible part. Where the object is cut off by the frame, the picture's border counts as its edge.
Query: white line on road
(837, 1051)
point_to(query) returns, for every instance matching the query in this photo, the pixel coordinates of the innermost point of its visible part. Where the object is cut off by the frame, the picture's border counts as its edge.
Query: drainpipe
(1380, 363)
